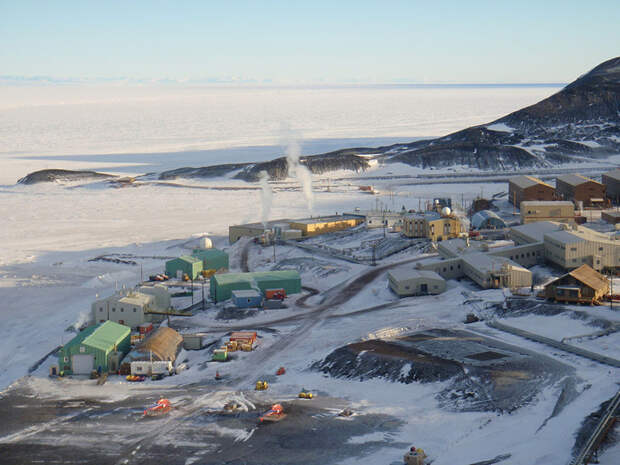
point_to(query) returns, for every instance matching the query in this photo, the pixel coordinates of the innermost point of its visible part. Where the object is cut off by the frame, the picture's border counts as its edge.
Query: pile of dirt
(382, 359)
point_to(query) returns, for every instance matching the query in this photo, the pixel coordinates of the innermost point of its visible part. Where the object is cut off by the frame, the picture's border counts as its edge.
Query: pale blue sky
(293, 41)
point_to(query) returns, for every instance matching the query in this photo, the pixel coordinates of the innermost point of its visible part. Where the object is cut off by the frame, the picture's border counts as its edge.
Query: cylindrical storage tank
(205, 243)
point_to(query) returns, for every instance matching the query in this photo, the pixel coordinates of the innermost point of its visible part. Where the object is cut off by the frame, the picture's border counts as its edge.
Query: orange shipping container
(274, 293)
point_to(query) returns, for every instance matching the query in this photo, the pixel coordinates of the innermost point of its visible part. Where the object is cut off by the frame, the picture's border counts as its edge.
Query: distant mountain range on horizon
(579, 123)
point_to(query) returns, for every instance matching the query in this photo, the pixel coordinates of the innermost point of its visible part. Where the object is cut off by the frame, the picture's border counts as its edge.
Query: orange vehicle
(162, 407)
(281, 371)
(279, 294)
(275, 414)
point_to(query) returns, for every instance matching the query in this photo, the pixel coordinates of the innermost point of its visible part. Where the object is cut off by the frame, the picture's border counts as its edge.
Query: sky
(543, 41)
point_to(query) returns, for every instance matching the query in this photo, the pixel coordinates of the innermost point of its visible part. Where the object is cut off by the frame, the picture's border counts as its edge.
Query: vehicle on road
(276, 413)
(162, 407)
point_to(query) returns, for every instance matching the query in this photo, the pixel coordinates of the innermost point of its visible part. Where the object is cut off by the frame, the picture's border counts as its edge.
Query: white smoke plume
(266, 196)
(299, 171)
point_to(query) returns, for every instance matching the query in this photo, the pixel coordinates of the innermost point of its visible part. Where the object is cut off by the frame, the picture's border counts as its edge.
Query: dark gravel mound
(54, 175)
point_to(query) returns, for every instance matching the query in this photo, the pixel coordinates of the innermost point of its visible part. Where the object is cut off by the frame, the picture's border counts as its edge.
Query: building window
(101, 309)
(82, 349)
(65, 359)
(573, 249)
(122, 310)
(135, 309)
(113, 309)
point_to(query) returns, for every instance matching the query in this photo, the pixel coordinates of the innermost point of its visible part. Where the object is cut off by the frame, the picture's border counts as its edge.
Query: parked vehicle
(161, 407)
(261, 385)
(276, 413)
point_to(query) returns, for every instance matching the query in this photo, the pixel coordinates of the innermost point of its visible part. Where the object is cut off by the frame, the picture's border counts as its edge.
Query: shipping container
(148, 368)
(275, 293)
(145, 328)
(249, 336)
(220, 355)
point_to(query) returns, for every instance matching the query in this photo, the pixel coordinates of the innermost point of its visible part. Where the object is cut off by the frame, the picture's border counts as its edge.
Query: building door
(424, 288)
(82, 364)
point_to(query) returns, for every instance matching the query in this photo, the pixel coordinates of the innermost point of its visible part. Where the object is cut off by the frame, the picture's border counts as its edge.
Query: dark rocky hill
(53, 175)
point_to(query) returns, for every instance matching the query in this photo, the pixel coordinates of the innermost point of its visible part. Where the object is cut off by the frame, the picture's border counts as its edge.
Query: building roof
(107, 335)
(404, 273)
(547, 203)
(246, 293)
(261, 226)
(229, 278)
(524, 182)
(189, 259)
(590, 277)
(535, 232)
(206, 254)
(163, 343)
(489, 263)
(137, 298)
(325, 219)
(615, 174)
(479, 218)
(564, 237)
(575, 179)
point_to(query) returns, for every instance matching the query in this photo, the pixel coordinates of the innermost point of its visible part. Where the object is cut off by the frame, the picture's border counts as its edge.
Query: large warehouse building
(521, 188)
(321, 225)
(611, 181)
(100, 347)
(580, 189)
(212, 259)
(222, 285)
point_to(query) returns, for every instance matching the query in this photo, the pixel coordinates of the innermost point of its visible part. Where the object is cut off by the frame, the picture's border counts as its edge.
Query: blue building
(247, 298)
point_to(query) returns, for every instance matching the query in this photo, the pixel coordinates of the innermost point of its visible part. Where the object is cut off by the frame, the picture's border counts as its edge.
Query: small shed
(487, 219)
(193, 341)
(185, 264)
(406, 282)
(212, 259)
(582, 285)
(99, 347)
(249, 298)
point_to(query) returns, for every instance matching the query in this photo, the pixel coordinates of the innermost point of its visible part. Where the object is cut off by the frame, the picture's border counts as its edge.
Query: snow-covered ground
(51, 233)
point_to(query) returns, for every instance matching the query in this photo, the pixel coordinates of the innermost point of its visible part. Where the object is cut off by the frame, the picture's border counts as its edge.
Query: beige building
(432, 226)
(127, 308)
(570, 248)
(406, 282)
(561, 211)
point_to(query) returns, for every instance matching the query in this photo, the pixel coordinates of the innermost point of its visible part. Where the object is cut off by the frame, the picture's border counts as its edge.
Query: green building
(99, 347)
(212, 259)
(223, 284)
(185, 264)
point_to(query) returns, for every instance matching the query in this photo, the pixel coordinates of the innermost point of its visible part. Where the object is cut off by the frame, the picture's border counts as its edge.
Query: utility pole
(203, 293)
(192, 288)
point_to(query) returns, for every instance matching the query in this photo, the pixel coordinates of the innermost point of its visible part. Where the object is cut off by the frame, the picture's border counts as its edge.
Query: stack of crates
(243, 340)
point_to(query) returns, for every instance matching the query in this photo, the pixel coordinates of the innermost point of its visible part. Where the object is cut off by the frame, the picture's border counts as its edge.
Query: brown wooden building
(578, 188)
(522, 188)
(612, 184)
(583, 285)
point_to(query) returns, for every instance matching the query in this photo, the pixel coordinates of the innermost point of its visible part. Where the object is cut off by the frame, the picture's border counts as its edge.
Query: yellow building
(325, 224)
(533, 211)
(432, 226)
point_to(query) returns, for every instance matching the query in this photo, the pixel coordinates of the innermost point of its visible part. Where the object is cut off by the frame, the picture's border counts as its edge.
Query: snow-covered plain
(52, 231)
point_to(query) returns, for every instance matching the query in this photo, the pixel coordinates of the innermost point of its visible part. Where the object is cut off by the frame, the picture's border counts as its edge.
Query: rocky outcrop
(55, 175)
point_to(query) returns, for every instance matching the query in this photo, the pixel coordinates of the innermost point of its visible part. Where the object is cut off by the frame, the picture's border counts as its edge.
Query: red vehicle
(275, 414)
(281, 371)
(160, 408)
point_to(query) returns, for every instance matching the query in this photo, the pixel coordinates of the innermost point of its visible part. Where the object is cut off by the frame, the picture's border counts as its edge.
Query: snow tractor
(276, 413)
(162, 407)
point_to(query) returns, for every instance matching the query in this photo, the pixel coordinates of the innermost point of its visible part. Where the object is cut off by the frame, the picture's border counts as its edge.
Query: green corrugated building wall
(94, 347)
(212, 259)
(223, 284)
(186, 264)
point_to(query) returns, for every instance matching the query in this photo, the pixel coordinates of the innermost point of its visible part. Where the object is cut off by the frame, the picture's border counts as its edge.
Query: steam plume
(299, 171)
(266, 196)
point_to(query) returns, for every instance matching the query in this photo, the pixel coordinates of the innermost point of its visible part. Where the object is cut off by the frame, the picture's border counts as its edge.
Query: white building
(405, 282)
(160, 293)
